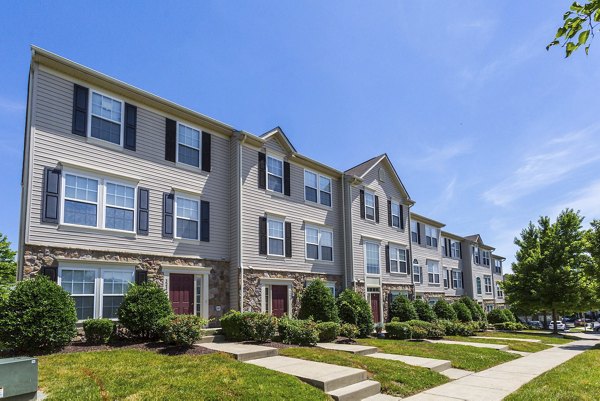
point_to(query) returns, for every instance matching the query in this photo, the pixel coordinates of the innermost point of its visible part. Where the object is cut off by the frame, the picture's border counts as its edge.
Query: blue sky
(486, 128)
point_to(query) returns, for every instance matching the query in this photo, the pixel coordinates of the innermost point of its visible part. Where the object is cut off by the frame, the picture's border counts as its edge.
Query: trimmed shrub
(402, 310)
(234, 326)
(328, 331)
(299, 332)
(477, 312)
(317, 302)
(182, 329)
(510, 326)
(142, 309)
(98, 331)
(354, 309)
(454, 328)
(38, 316)
(349, 331)
(498, 316)
(510, 317)
(418, 333)
(443, 310)
(462, 312)
(423, 310)
(432, 330)
(398, 330)
(246, 326)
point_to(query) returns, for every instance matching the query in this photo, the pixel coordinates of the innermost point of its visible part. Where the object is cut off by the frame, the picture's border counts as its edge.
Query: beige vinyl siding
(423, 253)
(257, 202)
(451, 264)
(234, 270)
(53, 143)
(274, 145)
(363, 229)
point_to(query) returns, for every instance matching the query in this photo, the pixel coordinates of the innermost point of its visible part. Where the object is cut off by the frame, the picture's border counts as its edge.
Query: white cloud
(446, 196)
(552, 163)
(587, 200)
(11, 106)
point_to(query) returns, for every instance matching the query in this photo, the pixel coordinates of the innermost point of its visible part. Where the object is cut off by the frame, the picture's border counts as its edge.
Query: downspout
(239, 222)
(412, 275)
(344, 234)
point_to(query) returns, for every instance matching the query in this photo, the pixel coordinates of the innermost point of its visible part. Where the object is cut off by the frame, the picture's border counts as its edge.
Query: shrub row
(501, 316)
(510, 326)
(419, 329)
(248, 326)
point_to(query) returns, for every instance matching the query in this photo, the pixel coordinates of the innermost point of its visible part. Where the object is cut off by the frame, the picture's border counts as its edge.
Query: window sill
(105, 144)
(190, 168)
(318, 261)
(187, 241)
(83, 229)
(275, 193)
(399, 274)
(318, 205)
(276, 257)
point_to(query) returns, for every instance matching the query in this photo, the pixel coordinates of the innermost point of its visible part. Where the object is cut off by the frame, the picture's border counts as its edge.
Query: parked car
(559, 325)
(582, 321)
(535, 324)
(595, 326)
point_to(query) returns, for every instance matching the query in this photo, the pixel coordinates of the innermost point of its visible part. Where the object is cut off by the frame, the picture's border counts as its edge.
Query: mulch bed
(157, 347)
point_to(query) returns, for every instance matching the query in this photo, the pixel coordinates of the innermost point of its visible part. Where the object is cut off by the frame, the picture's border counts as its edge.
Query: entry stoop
(357, 391)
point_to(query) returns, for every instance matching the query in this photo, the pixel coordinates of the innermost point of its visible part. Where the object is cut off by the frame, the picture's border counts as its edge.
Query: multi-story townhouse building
(497, 278)
(477, 262)
(121, 186)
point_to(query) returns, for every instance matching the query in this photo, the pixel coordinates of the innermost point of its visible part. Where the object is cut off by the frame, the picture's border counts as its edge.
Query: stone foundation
(37, 257)
(252, 286)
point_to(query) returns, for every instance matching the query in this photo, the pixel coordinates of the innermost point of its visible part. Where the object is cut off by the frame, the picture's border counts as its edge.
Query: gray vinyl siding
(257, 202)
(363, 230)
(451, 264)
(53, 143)
(234, 270)
(423, 253)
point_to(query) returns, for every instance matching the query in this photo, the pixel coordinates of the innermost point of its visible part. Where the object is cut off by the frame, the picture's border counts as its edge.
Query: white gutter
(412, 275)
(239, 250)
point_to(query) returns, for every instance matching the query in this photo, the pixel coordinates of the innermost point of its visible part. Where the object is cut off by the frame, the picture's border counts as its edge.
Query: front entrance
(375, 303)
(181, 293)
(279, 300)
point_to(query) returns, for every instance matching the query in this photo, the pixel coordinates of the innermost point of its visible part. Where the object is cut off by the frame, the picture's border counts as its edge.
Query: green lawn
(461, 356)
(513, 345)
(575, 380)
(534, 335)
(146, 375)
(396, 378)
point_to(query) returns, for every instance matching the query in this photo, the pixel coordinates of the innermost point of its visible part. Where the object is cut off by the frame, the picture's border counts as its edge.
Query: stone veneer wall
(252, 286)
(36, 257)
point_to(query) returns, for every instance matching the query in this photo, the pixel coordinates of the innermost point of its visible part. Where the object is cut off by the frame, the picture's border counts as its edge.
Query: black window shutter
(389, 204)
(130, 126)
(168, 205)
(408, 262)
(262, 235)
(390, 300)
(418, 232)
(288, 239)
(170, 140)
(204, 221)
(460, 249)
(286, 179)
(51, 272)
(141, 277)
(462, 280)
(143, 208)
(387, 258)
(206, 151)
(376, 209)
(51, 200)
(451, 278)
(262, 171)
(362, 203)
(402, 217)
(80, 110)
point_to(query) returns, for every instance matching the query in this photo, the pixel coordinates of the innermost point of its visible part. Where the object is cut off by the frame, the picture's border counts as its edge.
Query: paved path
(242, 352)
(352, 348)
(495, 383)
(525, 340)
(500, 347)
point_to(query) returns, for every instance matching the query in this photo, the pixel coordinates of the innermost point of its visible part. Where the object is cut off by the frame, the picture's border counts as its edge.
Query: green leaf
(561, 31)
(553, 43)
(597, 15)
(587, 50)
(576, 6)
(583, 37)
(570, 48)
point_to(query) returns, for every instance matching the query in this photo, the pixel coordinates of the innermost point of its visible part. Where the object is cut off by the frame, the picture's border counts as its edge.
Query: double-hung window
(188, 145)
(433, 272)
(372, 257)
(457, 279)
(114, 286)
(478, 283)
(319, 244)
(414, 231)
(398, 263)
(317, 188)
(274, 174)
(275, 241)
(81, 284)
(431, 236)
(106, 118)
(499, 291)
(488, 284)
(187, 218)
(369, 205)
(80, 201)
(417, 276)
(446, 278)
(486, 257)
(395, 214)
(476, 255)
(455, 249)
(497, 266)
(120, 206)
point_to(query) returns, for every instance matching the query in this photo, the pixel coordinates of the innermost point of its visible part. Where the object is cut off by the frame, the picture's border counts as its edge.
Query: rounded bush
(443, 310)
(510, 317)
(398, 330)
(402, 310)
(354, 309)
(510, 326)
(454, 328)
(476, 310)
(497, 316)
(418, 333)
(349, 331)
(38, 316)
(317, 302)
(142, 309)
(234, 326)
(432, 329)
(424, 311)
(299, 332)
(328, 331)
(261, 327)
(182, 329)
(98, 331)
(462, 312)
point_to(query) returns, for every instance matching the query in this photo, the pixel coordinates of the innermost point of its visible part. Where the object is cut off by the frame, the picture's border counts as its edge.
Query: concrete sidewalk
(499, 347)
(499, 381)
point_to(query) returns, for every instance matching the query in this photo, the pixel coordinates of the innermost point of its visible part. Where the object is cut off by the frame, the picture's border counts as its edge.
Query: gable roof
(477, 239)
(427, 220)
(361, 170)
(278, 134)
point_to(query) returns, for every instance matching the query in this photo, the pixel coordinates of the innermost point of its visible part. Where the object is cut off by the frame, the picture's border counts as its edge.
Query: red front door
(181, 293)
(279, 300)
(375, 307)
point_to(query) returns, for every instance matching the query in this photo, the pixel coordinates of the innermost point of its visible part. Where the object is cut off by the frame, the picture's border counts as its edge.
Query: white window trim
(413, 224)
(100, 201)
(456, 274)
(371, 193)
(89, 117)
(486, 255)
(416, 267)
(282, 221)
(201, 276)
(486, 280)
(378, 258)
(318, 188)
(399, 215)
(265, 304)
(199, 145)
(395, 255)
(186, 197)
(476, 255)
(455, 246)
(432, 229)
(433, 264)
(478, 286)
(446, 277)
(267, 173)
(320, 230)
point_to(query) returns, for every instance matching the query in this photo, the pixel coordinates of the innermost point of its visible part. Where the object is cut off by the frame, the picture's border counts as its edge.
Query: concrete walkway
(495, 383)
(242, 352)
(499, 347)
(352, 348)
(525, 340)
